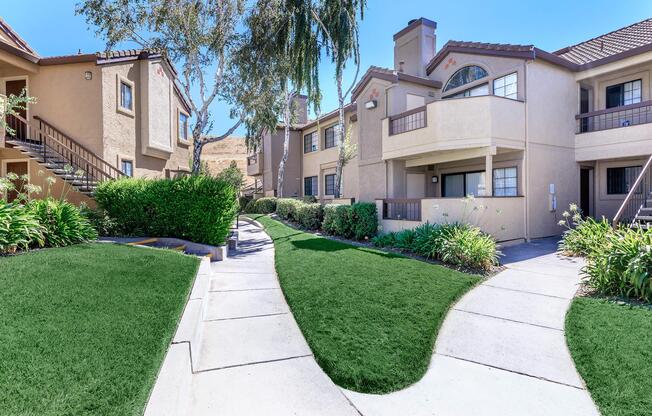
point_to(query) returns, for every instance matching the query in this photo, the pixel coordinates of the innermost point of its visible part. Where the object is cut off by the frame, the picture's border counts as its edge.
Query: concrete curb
(172, 390)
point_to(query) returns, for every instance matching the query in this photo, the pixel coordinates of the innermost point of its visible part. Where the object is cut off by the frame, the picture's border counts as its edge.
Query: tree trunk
(198, 145)
(341, 155)
(286, 144)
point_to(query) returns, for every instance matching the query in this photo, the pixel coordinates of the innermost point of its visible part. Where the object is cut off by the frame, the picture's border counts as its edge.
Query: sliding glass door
(459, 185)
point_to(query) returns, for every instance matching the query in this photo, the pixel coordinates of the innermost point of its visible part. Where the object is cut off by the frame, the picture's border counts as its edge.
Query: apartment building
(96, 117)
(524, 131)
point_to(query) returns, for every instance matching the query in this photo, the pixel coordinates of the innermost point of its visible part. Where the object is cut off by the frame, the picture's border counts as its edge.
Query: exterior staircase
(636, 209)
(63, 156)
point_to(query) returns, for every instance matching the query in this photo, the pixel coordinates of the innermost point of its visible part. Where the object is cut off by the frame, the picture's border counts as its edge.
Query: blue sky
(52, 28)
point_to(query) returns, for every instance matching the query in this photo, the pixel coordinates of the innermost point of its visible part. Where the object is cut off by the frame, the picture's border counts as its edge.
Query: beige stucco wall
(152, 128)
(461, 123)
(397, 96)
(273, 152)
(69, 102)
(323, 161)
(500, 217)
(550, 158)
(495, 66)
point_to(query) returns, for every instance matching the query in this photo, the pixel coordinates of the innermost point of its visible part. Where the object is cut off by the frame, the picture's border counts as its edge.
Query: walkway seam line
(252, 363)
(243, 290)
(245, 317)
(525, 291)
(507, 319)
(511, 371)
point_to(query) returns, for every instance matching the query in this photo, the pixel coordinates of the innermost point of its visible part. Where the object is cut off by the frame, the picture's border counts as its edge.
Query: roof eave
(441, 55)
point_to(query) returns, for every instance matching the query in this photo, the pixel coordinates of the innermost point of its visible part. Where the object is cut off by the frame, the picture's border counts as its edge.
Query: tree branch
(229, 132)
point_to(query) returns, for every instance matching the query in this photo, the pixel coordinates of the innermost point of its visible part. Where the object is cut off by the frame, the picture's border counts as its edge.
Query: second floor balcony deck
(455, 124)
(623, 131)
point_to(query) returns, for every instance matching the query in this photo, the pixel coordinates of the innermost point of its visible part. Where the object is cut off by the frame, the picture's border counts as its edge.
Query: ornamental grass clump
(63, 223)
(19, 228)
(582, 235)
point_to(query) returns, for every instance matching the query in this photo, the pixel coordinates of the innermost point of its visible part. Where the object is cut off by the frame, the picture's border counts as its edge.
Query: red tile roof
(608, 45)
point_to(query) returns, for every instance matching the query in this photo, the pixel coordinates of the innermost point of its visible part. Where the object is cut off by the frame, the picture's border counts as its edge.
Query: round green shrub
(310, 216)
(364, 220)
(342, 221)
(198, 208)
(286, 208)
(266, 205)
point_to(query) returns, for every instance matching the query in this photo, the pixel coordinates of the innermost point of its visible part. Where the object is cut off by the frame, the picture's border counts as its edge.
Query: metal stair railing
(636, 198)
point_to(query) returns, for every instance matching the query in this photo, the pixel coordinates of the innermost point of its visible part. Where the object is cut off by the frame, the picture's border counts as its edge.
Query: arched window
(464, 76)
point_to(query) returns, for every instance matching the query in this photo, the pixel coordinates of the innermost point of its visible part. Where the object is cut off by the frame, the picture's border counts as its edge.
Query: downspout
(526, 163)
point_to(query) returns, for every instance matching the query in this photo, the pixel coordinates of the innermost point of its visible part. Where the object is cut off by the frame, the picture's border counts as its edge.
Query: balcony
(614, 132)
(452, 124)
(255, 164)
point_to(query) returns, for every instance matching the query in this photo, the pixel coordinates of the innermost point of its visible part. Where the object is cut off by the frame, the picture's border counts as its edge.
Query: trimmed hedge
(364, 220)
(266, 205)
(286, 208)
(198, 208)
(310, 216)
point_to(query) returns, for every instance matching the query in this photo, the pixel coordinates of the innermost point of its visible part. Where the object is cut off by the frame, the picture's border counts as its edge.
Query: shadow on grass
(326, 245)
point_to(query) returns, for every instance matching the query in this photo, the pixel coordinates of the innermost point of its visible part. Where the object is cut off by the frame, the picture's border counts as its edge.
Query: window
(459, 185)
(310, 186)
(331, 138)
(506, 86)
(465, 76)
(472, 92)
(310, 142)
(619, 180)
(624, 94)
(505, 182)
(127, 167)
(126, 96)
(329, 182)
(183, 126)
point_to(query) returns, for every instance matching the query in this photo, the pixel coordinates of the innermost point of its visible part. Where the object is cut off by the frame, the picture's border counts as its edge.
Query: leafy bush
(455, 243)
(233, 175)
(385, 240)
(310, 216)
(342, 222)
(328, 225)
(198, 208)
(309, 199)
(468, 246)
(582, 234)
(286, 208)
(364, 220)
(404, 240)
(622, 264)
(19, 228)
(243, 201)
(250, 207)
(100, 220)
(265, 205)
(62, 221)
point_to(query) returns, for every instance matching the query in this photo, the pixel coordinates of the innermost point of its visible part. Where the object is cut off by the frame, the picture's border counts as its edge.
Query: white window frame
(120, 109)
(181, 139)
(494, 178)
(501, 85)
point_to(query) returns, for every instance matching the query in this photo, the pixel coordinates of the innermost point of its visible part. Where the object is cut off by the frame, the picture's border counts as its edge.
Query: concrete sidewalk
(251, 358)
(501, 349)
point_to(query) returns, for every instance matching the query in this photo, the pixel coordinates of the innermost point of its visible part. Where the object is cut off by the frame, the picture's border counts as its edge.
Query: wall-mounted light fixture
(88, 75)
(434, 179)
(369, 105)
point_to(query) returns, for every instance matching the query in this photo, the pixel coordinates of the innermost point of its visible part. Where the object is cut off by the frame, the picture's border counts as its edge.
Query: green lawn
(84, 329)
(371, 318)
(612, 348)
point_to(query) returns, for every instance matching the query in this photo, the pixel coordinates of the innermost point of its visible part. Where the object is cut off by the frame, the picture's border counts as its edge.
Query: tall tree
(337, 22)
(283, 31)
(203, 37)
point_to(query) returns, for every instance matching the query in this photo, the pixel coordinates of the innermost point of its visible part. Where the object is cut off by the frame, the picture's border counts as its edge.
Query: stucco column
(488, 175)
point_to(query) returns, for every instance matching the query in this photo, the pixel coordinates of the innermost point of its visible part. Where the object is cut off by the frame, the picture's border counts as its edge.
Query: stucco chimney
(414, 46)
(301, 103)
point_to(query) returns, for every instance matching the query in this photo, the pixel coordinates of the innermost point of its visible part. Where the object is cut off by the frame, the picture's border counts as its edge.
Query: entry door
(416, 185)
(20, 169)
(16, 88)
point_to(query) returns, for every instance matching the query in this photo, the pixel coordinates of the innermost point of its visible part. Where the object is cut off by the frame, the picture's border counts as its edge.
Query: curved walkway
(502, 349)
(253, 359)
